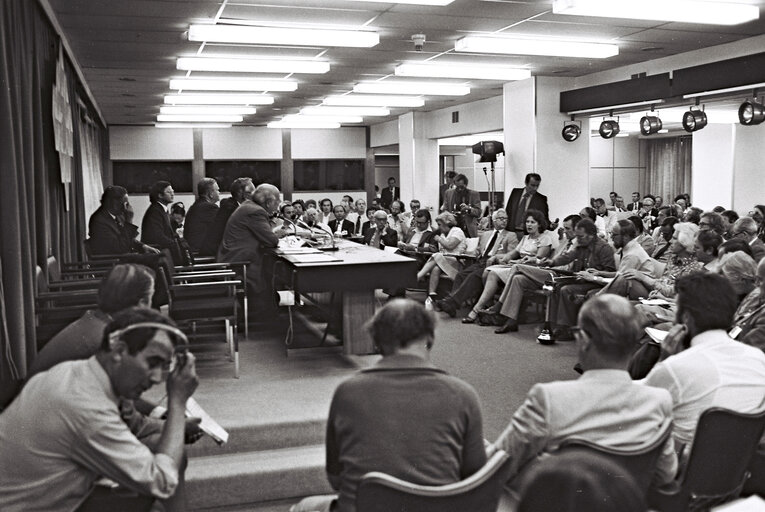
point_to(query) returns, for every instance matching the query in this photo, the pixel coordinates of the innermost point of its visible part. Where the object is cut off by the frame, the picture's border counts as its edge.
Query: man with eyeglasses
(603, 406)
(745, 228)
(65, 430)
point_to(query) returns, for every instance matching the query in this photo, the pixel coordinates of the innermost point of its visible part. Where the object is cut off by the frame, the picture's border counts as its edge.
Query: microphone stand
(331, 237)
(294, 226)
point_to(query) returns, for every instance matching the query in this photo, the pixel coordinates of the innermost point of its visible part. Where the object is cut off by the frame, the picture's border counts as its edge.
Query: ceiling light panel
(684, 11)
(424, 88)
(327, 119)
(234, 65)
(303, 124)
(529, 46)
(225, 84)
(192, 125)
(370, 100)
(240, 34)
(461, 71)
(323, 110)
(207, 110)
(218, 99)
(439, 3)
(199, 118)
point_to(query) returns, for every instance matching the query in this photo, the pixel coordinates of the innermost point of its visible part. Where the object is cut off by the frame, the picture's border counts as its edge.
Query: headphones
(116, 335)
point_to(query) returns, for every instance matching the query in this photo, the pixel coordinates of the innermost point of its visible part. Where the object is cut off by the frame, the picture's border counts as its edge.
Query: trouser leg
(567, 309)
(471, 286)
(515, 288)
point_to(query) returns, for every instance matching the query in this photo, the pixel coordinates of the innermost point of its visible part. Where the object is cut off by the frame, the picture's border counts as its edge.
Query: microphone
(331, 237)
(294, 226)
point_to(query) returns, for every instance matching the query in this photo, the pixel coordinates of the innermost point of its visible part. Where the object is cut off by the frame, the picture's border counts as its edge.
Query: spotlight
(751, 113)
(571, 130)
(650, 125)
(609, 129)
(694, 120)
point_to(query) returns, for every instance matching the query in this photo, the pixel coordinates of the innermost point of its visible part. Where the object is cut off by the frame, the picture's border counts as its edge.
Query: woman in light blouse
(453, 242)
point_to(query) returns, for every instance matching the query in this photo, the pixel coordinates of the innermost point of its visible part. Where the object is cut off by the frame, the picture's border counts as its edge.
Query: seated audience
(590, 213)
(125, 285)
(758, 215)
(285, 224)
(712, 221)
(311, 223)
(734, 245)
(408, 217)
(155, 227)
(370, 222)
(604, 405)
(311, 203)
(325, 211)
(468, 281)
(580, 481)
(64, 431)
(299, 205)
(609, 217)
(380, 235)
(241, 190)
(647, 212)
(396, 219)
(693, 215)
(110, 227)
(741, 272)
(706, 248)
(402, 416)
(177, 216)
(359, 217)
(749, 320)
(705, 367)
(746, 229)
(347, 201)
(450, 239)
(341, 226)
(643, 239)
(202, 213)
(729, 217)
(421, 237)
(665, 232)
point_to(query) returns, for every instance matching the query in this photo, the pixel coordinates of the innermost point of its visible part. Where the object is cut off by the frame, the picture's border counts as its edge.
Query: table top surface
(348, 253)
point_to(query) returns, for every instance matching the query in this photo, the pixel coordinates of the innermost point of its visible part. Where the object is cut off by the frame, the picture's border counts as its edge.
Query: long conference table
(355, 271)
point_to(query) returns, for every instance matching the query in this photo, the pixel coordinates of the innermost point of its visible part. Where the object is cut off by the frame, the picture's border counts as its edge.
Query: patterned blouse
(676, 267)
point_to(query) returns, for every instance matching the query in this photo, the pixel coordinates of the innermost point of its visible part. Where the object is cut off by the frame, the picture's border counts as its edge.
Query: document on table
(656, 335)
(317, 257)
(299, 250)
(655, 302)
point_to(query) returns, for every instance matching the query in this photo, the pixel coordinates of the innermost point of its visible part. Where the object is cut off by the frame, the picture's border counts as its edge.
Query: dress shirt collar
(102, 378)
(609, 374)
(715, 336)
(402, 362)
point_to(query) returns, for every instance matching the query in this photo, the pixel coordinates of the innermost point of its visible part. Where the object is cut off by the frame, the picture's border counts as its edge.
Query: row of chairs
(723, 461)
(200, 298)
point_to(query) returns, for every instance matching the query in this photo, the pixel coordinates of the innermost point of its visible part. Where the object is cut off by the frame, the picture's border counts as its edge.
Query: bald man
(248, 234)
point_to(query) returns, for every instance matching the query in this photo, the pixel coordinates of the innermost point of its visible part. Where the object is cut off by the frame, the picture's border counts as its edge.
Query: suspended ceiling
(128, 48)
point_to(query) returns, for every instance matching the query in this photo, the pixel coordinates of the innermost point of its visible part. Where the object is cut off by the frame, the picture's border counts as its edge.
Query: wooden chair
(640, 463)
(716, 471)
(379, 492)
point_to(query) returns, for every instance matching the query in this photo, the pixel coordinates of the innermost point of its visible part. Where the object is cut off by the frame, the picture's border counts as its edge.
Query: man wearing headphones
(65, 430)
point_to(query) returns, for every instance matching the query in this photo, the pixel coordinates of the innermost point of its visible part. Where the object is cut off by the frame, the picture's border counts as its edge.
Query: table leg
(358, 308)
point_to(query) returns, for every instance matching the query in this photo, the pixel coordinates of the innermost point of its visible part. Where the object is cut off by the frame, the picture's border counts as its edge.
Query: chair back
(41, 282)
(724, 443)
(54, 269)
(640, 463)
(379, 492)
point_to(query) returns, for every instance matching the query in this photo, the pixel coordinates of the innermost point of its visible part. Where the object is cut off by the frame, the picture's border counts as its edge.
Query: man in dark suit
(381, 235)
(202, 213)
(449, 184)
(522, 199)
(248, 233)
(465, 204)
(241, 190)
(390, 194)
(340, 224)
(110, 227)
(635, 205)
(155, 227)
(745, 228)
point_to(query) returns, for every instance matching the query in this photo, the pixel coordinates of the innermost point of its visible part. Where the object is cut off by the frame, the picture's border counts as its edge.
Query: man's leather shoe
(448, 307)
(468, 320)
(509, 326)
(563, 334)
(438, 305)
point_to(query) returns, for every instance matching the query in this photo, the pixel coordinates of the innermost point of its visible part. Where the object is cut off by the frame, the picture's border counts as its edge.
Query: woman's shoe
(468, 320)
(509, 326)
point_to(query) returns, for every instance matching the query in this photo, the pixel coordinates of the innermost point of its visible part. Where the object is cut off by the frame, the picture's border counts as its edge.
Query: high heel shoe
(509, 326)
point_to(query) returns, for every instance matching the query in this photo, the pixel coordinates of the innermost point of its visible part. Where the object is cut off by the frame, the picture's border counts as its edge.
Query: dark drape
(34, 222)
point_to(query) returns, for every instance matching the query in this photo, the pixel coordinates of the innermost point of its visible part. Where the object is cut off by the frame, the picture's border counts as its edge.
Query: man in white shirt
(706, 367)
(609, 217)
(65, 430)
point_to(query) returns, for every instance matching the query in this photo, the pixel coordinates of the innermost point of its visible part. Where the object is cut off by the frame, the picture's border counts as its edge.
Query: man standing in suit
(340, 224)
(202, 213)
(522, 199)
(155, 227)
(468, 283)
(604, 405)
(449, 184)
(248, 233)
(465, 204)
(110, 227)
(241, 190)
(635, 205)
(390, 194)
(381, 235)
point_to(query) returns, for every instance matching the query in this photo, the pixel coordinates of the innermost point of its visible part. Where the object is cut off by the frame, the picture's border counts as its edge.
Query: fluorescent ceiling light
(616, 107)
(319, 119)
(192, 125)
(393, 87)
(723, 91)
(461, 71)
(686, 11)
(207, 109)
(528, 46)
(218, 99)
(303, 124)
(469, 140)
(238, 84)
(344, 111)
(412, 2)
(241, 34)
(363, 100)
(199, 118)
(251, 65)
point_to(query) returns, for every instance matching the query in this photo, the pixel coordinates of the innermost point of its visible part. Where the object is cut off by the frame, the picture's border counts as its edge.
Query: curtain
(34, 221)
(92, 172)
(669, 166)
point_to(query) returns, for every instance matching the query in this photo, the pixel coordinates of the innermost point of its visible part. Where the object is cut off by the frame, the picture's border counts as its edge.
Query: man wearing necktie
(522, 199)
(390, 194)
(381, 235)
(468, 283)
